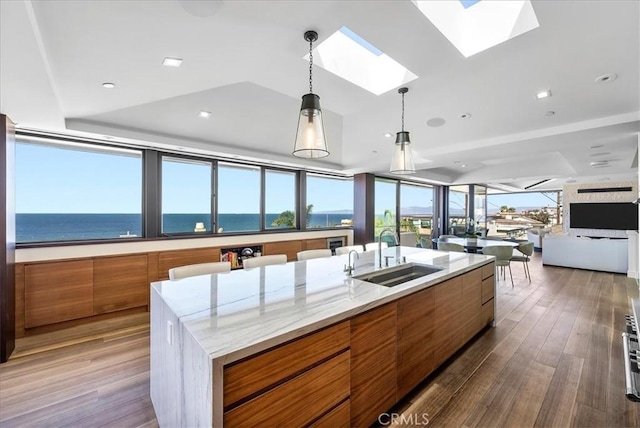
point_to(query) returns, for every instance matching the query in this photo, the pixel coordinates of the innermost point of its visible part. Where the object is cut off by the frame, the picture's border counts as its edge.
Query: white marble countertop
(240, 313)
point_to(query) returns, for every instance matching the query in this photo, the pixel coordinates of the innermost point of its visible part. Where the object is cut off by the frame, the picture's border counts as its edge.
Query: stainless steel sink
(398, 274)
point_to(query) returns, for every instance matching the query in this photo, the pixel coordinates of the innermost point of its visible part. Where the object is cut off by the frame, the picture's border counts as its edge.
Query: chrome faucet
(351, 267)
(395, 238)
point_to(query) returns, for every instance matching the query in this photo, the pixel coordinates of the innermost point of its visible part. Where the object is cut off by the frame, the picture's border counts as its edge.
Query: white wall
(570, 195)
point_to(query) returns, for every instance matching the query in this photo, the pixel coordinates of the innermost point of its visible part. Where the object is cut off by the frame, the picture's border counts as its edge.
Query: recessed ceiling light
(600, 154)
(172, 62)
(108, 85)
(204, 114)
(464, 165)
(465, 116)
(436, 122)
(606, 78)
(550, 113)
(543, 94)
(388, 135)
(597, 146)
(597, 164)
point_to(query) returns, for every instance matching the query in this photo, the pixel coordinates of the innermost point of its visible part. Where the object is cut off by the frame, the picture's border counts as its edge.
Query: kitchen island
(303, 344)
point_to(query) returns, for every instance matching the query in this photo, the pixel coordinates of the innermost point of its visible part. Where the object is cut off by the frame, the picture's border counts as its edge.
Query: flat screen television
(604, 215)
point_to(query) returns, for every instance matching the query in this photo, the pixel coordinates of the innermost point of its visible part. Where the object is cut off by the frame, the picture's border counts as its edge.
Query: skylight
(352, 58)
(476, 25)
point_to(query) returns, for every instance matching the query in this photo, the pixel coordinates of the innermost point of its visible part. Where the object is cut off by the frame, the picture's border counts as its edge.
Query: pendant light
(310, 139)
(402, 160)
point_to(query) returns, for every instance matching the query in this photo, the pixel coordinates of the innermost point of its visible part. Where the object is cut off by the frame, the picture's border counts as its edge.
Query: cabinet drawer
(487, 270)
(471, 279)
(488, 289)
(336, 418)
(487, 312)
(257, 373)
(298, 401)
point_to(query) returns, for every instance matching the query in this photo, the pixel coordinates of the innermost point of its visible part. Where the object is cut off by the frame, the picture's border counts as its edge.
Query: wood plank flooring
(554, 359)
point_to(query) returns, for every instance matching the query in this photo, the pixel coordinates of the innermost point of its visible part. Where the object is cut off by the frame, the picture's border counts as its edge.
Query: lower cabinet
(373, 364)
(350, 373)
(58, 291)
(301, 382)
(416, 319)
(298, 401)
(120, 283)
(471, 317)
(448, 319)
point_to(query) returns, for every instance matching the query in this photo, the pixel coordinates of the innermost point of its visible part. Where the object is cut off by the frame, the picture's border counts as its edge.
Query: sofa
(601, 254)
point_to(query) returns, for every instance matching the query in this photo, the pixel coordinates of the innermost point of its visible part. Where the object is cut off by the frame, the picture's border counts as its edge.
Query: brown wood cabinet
(471, 304)
(448, 321)
(416, 319)
(175, 258)
(257, 373)
(315, 244)
(120, 283)
(373, 364)
(56, 292)
(298, 401)
(488, 294)
(290, 248)
(336, 418)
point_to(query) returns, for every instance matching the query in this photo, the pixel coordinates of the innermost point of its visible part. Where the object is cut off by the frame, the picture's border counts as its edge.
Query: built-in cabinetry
(373, 364)
(51, 292)
(350, 373)
(302, 382)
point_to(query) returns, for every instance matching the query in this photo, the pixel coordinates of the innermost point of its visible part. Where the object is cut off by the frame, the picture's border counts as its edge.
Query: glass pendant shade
(402, 160)
(310, 139)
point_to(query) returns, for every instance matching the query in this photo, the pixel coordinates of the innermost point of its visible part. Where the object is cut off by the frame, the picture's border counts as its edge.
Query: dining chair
(503, 254)
(345, 250)
(526, 248)
(199, 269)
(274, 259)
(314, 254)
(450, 246)
(374, 246)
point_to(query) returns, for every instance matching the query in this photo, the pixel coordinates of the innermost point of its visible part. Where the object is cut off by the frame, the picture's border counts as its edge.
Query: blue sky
(55, 180)
(515, 200)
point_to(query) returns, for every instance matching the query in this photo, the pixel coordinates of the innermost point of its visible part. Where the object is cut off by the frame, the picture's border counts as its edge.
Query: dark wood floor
(553, 360)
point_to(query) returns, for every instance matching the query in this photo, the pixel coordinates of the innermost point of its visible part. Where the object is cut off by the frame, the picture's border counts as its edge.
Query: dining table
(472, 245)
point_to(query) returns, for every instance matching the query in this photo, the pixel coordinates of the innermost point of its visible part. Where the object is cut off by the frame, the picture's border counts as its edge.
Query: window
(385, 208)
(68, 191)
(280, 199)
(416, 212)
(480, 209)
(458, 210)
(329, 201)
(186, 195)
(238, 198)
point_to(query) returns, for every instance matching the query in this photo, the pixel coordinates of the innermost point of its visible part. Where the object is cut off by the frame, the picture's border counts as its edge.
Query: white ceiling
(243, 63)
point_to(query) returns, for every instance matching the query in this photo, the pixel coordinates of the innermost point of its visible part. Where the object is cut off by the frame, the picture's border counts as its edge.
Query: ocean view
(71, 227)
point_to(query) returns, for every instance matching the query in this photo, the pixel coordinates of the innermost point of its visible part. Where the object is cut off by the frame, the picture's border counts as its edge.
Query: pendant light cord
(403, 112)
(310, 66)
